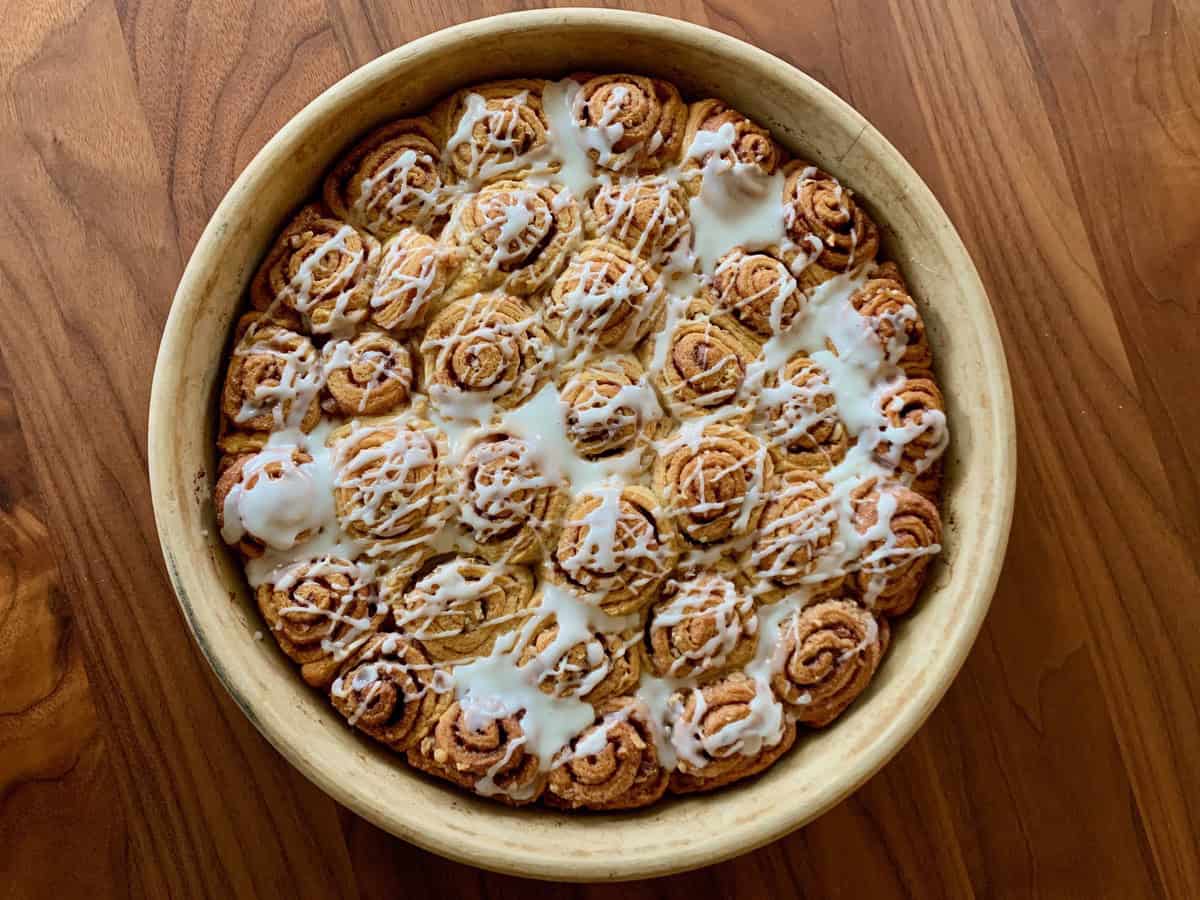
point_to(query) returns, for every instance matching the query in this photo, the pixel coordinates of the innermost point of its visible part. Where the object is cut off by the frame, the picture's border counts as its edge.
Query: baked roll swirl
(414, 272)
(713, 483)
(797, 540)
(493, 130)
(508, 503)
(632, 123)
(725, 731)
(758, 290)
(369, 375)
(916, 436)
(602, 664)
(319, 612)
(800, 416)
(613, 764)
(648, 216)
(703, 625)
(743, 142)
(458, 607)
(830, 231)
(707, 361)
(900, 539)
(273, 381)
(606, 299)
(610, 407)
(254, 498)
(615, 548)
(829, 654)
(389, 690)
(390, 180)
(515, 236)
(484, 350)
(320, 267)
(884, 301)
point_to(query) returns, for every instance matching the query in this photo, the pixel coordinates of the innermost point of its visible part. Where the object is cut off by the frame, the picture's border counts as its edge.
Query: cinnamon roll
(369, 375)
(612, 765)
(648, 216)
(758, 290)
(725, 731)
(320, 267)
(484, 350)
(484, 754)
(800, 415)
(390, 486)
(884, 301)
(515, 236)
(632, 123)
(255, 500)
(606, 299)
(610, 407)
(714, 483)
(915, 437)
(829, 652)
(273, 380)
(493, 130)
(900, 537)
(510, 506)
(716, 129)
(707, 360)
(458, 607)
(390, 691)
(829, 231)
(390, 179)
(704, 625)
(615, 548)
(797, 537)
(414, 272)
(598, 666)
(320, 612)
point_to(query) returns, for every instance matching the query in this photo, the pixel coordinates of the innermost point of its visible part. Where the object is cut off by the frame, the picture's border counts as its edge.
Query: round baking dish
(929, 646)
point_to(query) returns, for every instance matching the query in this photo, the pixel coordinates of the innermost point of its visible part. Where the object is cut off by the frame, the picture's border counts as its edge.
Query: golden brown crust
(370, 375)
(650, 113)
(892, 569)
(703, 626)
(825, 224)
(804, 428)
(491, 130)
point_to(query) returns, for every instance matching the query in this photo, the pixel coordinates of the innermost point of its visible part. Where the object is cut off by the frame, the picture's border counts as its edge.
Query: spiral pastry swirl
(493, 129)
(610, 407)
(612, 765)
(725, 731)
(915, 437)
(616, 547)
(801, 418)
(704, 625)
(884, 301)
(390, 180)
(648, 216)
(515, 236)
(484, 754)
(458, 607)
(414, 272)
(286, 525)
(606, 299)
(273, 380)
(601, 665)
(829, 654)
(797, 534)
(750, 144)
(510, 506)
(369, 375)
(319, 612)
(758, 290)
(832, 232)
(632, 122)
(897, 552)
(707, 360)
(483, 349)
(320, 267)
(390, 485)
(714, 484)
(389, 690)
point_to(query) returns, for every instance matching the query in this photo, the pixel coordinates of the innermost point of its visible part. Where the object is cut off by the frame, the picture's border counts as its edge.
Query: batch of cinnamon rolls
(578, 445)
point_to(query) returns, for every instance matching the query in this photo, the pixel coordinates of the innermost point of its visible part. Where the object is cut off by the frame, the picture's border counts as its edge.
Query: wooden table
(1063, 137)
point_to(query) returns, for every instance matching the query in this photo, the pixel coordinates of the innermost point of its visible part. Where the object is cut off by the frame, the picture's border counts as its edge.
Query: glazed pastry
(830, 653)
(390, 180)
(577, 445)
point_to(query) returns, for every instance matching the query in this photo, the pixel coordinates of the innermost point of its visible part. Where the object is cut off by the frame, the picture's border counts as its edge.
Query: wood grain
(1063, 138)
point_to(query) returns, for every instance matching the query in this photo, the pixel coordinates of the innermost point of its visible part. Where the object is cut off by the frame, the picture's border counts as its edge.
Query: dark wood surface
(1062, 136)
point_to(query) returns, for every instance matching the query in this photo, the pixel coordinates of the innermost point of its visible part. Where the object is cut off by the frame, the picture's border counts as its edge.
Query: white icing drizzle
(292, 511)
